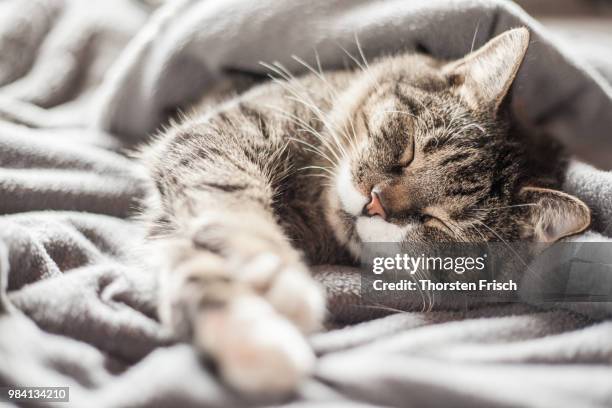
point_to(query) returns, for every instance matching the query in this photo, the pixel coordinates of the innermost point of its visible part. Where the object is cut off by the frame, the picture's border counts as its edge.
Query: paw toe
(259, 352)
(296, 295)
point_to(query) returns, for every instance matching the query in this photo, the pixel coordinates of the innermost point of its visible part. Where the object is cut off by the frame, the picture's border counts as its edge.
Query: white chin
(375, 229)
(351, 199)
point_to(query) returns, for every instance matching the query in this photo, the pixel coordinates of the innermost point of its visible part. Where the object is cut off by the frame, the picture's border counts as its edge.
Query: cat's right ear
(551, 215)
(482, 78)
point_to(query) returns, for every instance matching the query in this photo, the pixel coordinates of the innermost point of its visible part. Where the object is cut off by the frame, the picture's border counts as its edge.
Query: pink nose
(375, 207)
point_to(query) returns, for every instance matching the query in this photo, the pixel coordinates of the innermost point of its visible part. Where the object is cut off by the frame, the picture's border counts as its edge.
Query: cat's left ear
(483, 77)
(552, 215)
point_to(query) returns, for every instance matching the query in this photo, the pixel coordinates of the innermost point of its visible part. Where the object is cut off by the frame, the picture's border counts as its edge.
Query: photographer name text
(429, 285)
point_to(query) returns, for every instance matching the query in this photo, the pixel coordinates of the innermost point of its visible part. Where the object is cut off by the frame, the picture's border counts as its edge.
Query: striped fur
(252, 190)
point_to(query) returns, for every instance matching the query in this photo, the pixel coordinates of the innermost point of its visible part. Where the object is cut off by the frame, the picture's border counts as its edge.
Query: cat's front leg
(235, 286)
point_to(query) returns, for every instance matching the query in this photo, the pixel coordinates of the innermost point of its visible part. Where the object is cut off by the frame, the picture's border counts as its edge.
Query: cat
(301, 171)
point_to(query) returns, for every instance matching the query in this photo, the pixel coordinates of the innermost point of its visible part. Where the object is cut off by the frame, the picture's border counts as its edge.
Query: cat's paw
(258, 352)
(248, 317)
(289, 288)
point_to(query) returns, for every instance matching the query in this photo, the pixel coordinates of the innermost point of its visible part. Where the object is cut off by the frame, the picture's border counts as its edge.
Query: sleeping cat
(301, 171)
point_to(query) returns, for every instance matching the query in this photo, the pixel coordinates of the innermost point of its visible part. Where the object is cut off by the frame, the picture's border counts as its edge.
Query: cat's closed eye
(398, 169)
(408, 155)
(404, 161)
(431, 221)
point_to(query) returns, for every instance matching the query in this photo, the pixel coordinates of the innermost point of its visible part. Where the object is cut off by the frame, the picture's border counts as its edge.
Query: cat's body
(302, 171)
(266, 124)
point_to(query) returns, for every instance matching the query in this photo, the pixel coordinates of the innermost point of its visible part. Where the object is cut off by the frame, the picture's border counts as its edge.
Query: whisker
(313, 149)
(360, 50)
(309, 129)
(503, 207)
(383, 307)
(327, 170)
(324, 120)
(505, 242)
(301, 98)
(474, 38)
(318, 74)
(333, 143)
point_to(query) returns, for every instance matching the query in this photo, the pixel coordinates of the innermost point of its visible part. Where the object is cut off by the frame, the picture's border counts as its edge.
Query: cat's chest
(301, 212)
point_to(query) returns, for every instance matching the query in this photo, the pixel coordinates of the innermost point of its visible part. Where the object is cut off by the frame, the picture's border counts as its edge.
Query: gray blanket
(82, 81)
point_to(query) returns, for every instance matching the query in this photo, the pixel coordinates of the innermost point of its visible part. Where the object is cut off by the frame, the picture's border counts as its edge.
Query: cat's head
(429, 156)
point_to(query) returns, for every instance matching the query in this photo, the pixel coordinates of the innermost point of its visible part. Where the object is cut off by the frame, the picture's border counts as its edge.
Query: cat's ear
(483, 77)
(551, 215)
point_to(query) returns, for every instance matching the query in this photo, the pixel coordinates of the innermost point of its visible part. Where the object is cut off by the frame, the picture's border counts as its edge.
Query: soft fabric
(83, 82)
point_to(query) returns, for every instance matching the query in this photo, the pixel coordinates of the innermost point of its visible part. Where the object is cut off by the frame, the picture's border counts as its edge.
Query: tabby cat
(301, 171)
